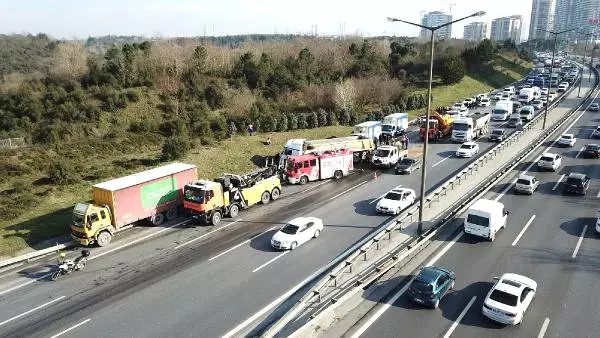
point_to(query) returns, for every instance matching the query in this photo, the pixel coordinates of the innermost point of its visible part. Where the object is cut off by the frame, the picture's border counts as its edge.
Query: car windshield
(382, 153)
(422, 286)
(523, 181)
(592, 147)
(406, 161)
(78, 220)
(567, 137)
(387, 127)
(499, 111)
(394, 196)
(497, 132)
(193, 195)
(504, 297)
(573, 181)
(465, 146)
(546, 159)
(478, 220)
(289, 229)
(460, 126)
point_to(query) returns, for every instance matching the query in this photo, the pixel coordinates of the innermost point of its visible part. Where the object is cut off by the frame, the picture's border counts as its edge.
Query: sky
(66, 19)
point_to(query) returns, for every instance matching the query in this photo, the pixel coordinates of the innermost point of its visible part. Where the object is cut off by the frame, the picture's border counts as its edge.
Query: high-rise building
(433, 19)
(585, 15)
(542, 18)
(476, 31)
(507, 28)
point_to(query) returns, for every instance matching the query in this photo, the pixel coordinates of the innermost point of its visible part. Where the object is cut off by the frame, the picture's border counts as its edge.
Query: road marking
(579, 152)
(460, 317)
(30, 311)
(347, 190)
(206, 234)
(394, 298)
(237, 246)
(598, 194)
(272, 260)
(314, 186)
(71, 328)
(440, 161)
(523, 230)
(579, 242)
(558, 182)
(544, 328)
(378, 198)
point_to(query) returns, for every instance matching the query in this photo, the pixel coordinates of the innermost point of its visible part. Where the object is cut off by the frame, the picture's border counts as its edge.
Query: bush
(452, 69)
(322, 114)
(312, 120)
(142, 126)
(62, 172)
(302, 121)
(175, 147)
(331, 118)
(16, 204)
(293, 122)
(132, 95)
(344, 117)
(283, 124)
(176, 126)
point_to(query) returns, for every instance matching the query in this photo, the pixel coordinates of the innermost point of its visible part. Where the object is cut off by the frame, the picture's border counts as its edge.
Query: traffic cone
(375, 176)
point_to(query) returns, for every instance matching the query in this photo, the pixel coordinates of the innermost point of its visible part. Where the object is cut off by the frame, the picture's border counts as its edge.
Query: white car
(594, 107)
(562, 87)
(485, 102)
(506, 96)
(467, 149)
(297, 232)
(567, 140)
(551, 97)
(549, 161)
(396, 200)
(537, 104)
(596, 132)
(544, 91)
(498, 96)
(458, 106)
(509, 298)
(527, 184)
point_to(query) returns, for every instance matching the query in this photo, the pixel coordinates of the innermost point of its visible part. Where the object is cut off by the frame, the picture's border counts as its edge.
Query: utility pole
(451, 5)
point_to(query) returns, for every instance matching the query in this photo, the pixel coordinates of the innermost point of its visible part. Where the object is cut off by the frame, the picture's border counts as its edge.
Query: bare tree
(69, 61)
(345, 95)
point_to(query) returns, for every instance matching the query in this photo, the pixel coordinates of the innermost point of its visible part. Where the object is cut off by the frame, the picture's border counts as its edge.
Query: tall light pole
(552, 68)
(587, 35)
(427, 113)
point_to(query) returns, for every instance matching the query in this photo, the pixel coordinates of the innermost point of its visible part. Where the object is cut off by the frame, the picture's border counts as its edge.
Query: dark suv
(577, 183)
(498, 135)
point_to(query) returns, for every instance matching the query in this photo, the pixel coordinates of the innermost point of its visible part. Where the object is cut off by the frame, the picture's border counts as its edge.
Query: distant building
(476, 31)
(579, 14)
(507, 28)
(542, 18)
(433, 19)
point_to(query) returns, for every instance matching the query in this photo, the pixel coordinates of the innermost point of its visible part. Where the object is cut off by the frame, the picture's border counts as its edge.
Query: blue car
(430, 285)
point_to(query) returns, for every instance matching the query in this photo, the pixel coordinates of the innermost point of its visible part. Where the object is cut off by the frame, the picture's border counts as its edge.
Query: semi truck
(209, 201)
(361, 147)
(395, 125)
(154, 194)
(312, 167)
(470, 128)
(440, 126)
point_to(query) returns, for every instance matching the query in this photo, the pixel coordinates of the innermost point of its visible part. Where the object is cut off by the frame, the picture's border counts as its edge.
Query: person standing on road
(405, 141)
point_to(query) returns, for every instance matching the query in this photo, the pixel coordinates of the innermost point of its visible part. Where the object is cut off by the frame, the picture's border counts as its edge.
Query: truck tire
(338, 174)
(303, 180)
(234, 210)
(171, 214)
(103, 239)
(55, 275)
(265, 197)
(275, 194)
(215, 218)
(157, 219)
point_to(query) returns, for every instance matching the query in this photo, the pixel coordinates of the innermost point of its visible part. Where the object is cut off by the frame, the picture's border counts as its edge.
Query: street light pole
(428, 112)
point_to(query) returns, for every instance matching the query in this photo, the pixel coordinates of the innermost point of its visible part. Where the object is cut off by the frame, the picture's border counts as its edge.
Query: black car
(577, 183)
(407, 165)
(591, 151)
(498, 135)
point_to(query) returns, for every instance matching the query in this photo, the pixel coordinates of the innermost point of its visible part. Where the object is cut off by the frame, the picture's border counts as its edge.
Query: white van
(510, 89)
(502, 110)
(485, 218)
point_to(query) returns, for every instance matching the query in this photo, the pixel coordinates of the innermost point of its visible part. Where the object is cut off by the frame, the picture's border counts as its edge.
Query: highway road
(550, 238)
(204, 281)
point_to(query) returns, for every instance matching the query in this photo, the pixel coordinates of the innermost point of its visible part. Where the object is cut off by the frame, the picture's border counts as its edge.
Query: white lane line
(598, 194)
(347, 190)
(558, 182)
(30, 311)
(579, 152)
(579, 242)
(314, 186)
(544, 328)
(206, 234)
(460, 317)
(272, 260)
(378, 198)
(71, 328)
(523, 230)
(237, 246)
(394, 298)
(440, 161)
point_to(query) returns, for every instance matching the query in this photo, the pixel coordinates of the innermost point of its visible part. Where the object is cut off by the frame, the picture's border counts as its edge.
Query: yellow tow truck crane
(209, 201)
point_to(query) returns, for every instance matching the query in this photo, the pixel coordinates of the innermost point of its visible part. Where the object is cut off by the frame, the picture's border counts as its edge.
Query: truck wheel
(265, 197)
(103, 239)
(338, 174)
(171, 214)
(216, 218)
(275, 194)
(55, 275)
(234, 210)
(157, 219)
(303, 180)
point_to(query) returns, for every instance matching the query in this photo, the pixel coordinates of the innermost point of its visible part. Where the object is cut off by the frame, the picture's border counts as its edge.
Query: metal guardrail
(372, 242)
(35, 254)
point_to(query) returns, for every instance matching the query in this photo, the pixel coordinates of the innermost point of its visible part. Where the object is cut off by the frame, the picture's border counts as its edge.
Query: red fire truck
(318, 166)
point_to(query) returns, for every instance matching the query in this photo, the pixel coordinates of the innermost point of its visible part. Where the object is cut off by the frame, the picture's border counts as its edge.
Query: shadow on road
(575, 226)
(456, 301)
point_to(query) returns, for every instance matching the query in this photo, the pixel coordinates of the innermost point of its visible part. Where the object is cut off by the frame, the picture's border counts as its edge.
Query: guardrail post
(334, 280)
(364, 252)
(376, 243)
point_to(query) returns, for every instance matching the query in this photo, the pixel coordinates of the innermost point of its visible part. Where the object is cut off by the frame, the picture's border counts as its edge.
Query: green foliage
(232, 129)
(293, 122)
(452, 70)
(175, 147)
(62, 171)
(283, 124)
(312, 120)
(302, 121)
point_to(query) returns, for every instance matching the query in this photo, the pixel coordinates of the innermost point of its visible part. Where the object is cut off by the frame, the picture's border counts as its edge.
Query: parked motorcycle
(66, 266)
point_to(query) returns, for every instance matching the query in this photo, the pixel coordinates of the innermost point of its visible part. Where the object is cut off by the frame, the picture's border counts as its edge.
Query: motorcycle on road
(66, 266)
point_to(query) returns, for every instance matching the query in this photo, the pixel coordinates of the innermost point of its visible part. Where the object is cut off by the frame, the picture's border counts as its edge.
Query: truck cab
(202, 198)
(388, 156)
(462, 130)
(395, 125)
(89, 221)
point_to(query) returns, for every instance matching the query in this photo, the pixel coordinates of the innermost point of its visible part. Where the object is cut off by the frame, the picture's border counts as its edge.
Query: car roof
(410, 158)
(400, 190)
(592, 145)
(594, 104)
(498, 130)
(526, 177)
(578, 176)
(469, 144)
(570, 135)
(549, 155)
(429, 274)
(302, 220)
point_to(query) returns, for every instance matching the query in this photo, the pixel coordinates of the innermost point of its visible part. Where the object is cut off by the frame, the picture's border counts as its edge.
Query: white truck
(467, 129)
(526, 95)
(502, 110)
(387, 156)
(395, 125)
(369, 129)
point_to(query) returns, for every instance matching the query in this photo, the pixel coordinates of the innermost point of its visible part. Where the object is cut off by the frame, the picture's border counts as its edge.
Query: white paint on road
(544, 328)
(579, 241)
(440, 161)
(206, 234)
(30, 311)
(271, 260)
(71, 328)
(460, 317)
(237, 246)
(364, 327)
(347, 190)
(558, 182)
(378, 198)
(579, 152)
(598, 194)
(523, 231)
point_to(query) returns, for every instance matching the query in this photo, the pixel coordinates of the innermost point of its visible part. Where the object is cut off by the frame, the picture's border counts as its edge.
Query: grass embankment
(505, 68)
(51, 215)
